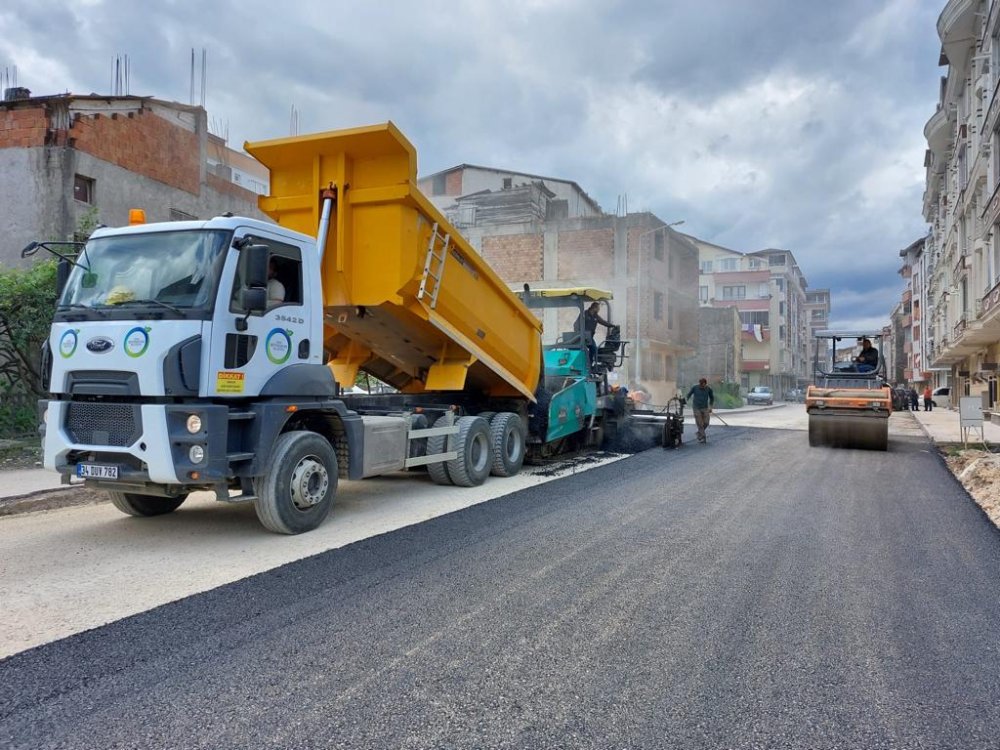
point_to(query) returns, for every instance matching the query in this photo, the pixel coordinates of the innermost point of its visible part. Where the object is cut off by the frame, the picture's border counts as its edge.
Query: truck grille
(103, 424)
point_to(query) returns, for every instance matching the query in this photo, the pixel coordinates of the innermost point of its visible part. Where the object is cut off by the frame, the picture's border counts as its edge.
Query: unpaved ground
(979, 473)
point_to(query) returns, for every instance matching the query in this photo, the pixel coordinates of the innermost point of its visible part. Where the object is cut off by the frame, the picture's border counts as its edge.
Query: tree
(27, 301)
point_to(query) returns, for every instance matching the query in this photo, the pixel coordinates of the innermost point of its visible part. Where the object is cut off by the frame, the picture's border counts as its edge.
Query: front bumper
(149, 443)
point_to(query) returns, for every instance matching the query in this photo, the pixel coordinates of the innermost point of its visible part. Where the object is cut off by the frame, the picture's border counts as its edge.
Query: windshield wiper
(83, 308)
(161, 303)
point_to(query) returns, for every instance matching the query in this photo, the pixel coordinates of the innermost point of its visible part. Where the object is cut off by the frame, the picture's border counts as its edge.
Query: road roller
(849, 402)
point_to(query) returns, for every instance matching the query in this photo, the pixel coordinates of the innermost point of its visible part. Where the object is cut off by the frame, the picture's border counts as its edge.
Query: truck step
(235, 415)
(234, 499)
(237, 457)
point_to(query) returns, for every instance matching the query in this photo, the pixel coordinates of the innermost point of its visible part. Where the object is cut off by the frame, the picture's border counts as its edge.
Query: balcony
(938, 133)
(959, 329)
(956, 27)
(989, 308)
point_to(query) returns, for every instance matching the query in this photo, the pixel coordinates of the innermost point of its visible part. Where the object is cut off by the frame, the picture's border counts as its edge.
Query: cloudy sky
(795, 124)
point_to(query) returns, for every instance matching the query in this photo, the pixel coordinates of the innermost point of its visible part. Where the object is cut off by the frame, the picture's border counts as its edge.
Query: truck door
(242, 361)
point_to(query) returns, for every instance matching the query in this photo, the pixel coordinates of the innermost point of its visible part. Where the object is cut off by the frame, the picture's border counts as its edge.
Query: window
(658, 245)
(703, 293)
(781, 308)
(438, 184)
(780, 283)
(734, 292)
(288, 271)
(508, 183)
(994, 258)
(755, 317)
(729, 264)
(776, 260)
(705, 266)
(83, 189)
(658, 305)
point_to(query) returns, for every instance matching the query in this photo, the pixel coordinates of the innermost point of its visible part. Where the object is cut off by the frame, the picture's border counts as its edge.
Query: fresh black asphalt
(750, 593)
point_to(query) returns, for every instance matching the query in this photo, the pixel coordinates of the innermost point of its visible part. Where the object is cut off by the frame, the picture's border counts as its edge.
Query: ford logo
(100, 345)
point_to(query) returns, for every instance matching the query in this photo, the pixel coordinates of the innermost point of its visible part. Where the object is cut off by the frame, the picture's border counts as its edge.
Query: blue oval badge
(100, 344)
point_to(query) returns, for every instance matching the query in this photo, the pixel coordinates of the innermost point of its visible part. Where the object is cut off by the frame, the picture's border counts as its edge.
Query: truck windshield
(170, 274)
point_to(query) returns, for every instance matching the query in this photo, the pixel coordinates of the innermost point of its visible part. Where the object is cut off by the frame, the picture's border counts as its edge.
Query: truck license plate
(97, 471)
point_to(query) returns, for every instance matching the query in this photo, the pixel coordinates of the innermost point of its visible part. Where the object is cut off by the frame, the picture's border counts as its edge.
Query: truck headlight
(193, 423)
(196, 454)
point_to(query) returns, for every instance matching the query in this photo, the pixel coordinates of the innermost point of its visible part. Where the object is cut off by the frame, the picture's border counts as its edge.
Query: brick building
(548, 232)
(66, 157)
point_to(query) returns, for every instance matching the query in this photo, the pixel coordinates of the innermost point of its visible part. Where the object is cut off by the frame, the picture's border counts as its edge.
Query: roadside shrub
(27, 302)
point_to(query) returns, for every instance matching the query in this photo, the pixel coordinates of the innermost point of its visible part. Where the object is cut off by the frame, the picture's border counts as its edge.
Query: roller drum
(849, 431)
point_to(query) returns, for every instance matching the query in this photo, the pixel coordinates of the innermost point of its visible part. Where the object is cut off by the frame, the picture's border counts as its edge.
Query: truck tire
(487, 415)
(145, 505)
(507, 443)
(438, 444)
(475, 457)
(296, 494)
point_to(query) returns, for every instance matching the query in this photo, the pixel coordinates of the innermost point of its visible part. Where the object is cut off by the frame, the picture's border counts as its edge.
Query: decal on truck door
(278, 345)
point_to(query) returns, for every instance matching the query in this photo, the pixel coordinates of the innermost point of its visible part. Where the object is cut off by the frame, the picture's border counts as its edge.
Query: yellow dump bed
(406, 298)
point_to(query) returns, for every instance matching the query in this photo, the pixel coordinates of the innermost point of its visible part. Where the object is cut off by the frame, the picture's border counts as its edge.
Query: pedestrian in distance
(702, 399)
(914, 399)
(928, 401)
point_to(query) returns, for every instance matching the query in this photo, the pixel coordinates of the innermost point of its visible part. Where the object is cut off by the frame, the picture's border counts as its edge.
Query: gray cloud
(777, 123)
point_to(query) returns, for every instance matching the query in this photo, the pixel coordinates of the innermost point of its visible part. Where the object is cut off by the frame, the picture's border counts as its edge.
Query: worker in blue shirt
(702, 399)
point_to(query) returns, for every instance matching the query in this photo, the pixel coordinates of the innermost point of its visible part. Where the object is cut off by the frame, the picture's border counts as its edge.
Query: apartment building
(548, 232)
(955, 275)
(768, 289)
(910, 364)
(67, 157)
(817, 316)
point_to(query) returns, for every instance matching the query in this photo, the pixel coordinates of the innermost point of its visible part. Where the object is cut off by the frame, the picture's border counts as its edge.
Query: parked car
(796, 395)
(760, 394)
(944, 392)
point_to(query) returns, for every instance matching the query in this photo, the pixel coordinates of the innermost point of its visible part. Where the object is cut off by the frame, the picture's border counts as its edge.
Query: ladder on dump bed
(437, 251)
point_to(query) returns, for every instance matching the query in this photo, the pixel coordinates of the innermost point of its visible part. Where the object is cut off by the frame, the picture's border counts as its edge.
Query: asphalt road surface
(748, 593)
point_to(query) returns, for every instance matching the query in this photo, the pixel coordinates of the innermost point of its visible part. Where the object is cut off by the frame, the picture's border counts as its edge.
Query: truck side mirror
(254, 299)
(255, 266)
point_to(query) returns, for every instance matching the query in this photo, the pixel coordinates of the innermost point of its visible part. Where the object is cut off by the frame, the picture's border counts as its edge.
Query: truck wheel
(475, 458)
(507, 443)
(487, 415)
(145, 505)
(296, 494)
(438, 444)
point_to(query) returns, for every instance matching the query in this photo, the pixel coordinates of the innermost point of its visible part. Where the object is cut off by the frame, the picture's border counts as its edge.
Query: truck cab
(151, 393)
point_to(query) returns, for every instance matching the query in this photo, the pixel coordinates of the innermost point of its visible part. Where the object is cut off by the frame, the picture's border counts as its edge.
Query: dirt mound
(979, 473)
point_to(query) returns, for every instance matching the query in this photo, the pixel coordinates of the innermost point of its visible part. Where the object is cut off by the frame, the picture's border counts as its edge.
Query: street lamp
(638, 295)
